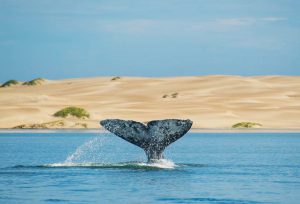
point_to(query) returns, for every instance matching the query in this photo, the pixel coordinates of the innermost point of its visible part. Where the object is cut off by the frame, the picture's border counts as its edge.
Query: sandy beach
(210, 101)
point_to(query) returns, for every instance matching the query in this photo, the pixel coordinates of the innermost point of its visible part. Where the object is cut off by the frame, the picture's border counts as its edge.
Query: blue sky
(59, 39)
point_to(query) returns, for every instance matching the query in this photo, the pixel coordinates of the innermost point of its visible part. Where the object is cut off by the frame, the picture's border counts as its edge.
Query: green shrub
(34, 82)
(73, 111)
(246, 125)
(115, 78)
(84, 125)
(57, 123)
(9, 83)
(174, 95)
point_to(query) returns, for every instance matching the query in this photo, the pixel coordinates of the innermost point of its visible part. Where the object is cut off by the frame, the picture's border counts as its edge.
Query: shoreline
(193, 130)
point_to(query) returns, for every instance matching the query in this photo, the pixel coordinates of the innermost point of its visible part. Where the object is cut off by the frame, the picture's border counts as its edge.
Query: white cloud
(236, 21)
(150, 26)
(140, 25)
(247, 21)
(273, 19)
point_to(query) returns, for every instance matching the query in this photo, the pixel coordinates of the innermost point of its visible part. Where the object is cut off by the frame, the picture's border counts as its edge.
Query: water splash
(158, 164)
(87, 152)
(91, 155)
(161, 163)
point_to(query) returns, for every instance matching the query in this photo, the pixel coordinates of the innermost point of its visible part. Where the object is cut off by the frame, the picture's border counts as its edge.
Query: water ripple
(211, 200)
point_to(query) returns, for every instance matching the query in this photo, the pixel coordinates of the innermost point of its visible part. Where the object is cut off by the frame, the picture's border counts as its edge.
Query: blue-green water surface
(101, 168)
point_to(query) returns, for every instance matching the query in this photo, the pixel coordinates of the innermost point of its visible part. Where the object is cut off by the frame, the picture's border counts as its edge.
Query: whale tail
(153, 138)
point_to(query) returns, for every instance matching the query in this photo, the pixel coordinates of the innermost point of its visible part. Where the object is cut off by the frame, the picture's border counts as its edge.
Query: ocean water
(102, 168)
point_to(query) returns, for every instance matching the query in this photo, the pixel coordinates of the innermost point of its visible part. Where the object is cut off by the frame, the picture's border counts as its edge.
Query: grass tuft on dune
(72, 111)
(173, 95)
(57, 123)
(115, 78)
(10, 83)
(246, 125)
(34, 82)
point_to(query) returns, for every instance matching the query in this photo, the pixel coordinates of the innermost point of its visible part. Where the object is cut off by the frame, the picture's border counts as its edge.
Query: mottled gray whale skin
(153, 138)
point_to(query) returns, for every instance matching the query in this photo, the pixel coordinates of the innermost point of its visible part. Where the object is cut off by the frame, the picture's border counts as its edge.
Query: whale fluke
(153, 138)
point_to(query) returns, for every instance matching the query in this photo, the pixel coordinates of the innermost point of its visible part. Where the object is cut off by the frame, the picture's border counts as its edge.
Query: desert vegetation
(72, 111)
(173, 95)
(115, 78)
(10, 83)
(84, 125)
(34, 82)
(246, 125)
(57, 123)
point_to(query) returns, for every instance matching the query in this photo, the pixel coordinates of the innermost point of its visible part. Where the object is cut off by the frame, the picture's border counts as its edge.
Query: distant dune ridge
(210, 101)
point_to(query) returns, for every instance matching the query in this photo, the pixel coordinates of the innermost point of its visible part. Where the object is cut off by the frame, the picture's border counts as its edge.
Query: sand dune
(210, 101)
